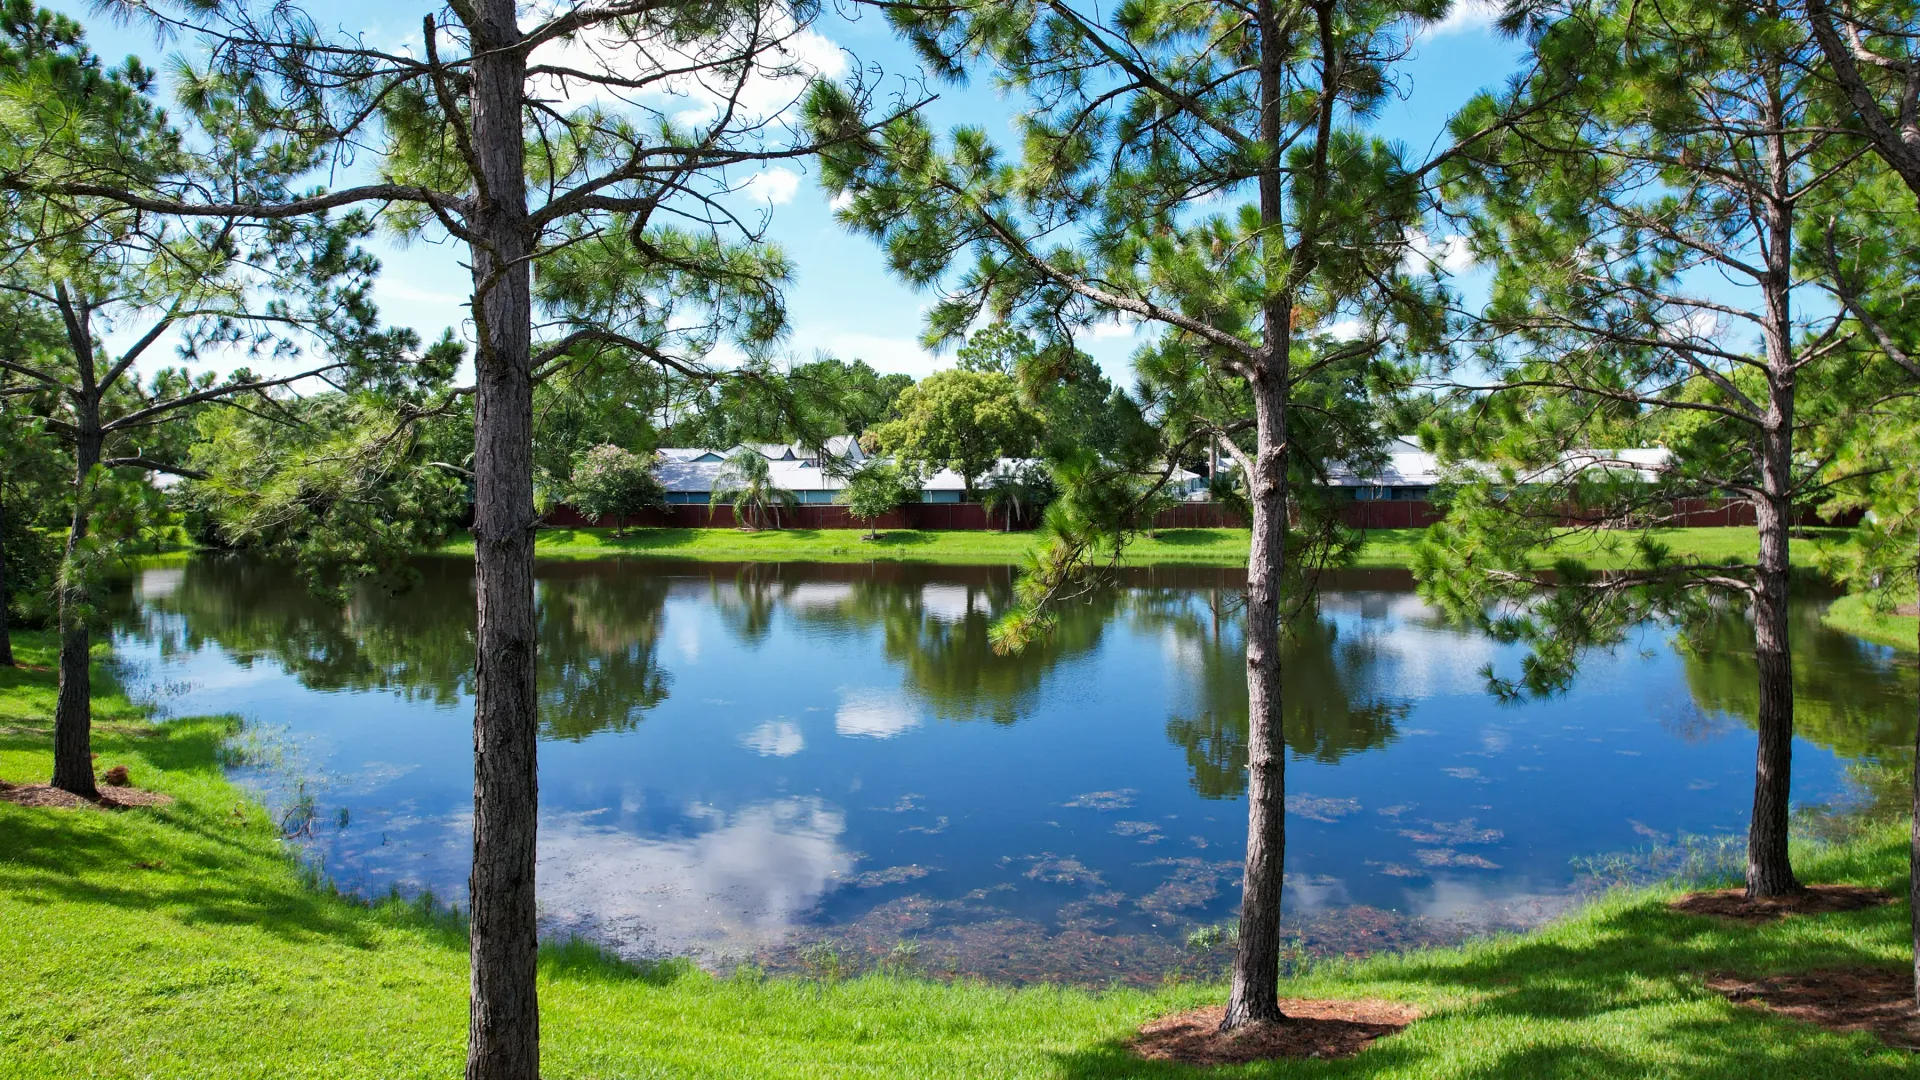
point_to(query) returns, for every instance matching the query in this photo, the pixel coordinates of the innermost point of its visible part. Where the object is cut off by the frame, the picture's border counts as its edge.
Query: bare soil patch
(1877, 1000)
(1313, 1029)
(1733, 904)
(46, 796)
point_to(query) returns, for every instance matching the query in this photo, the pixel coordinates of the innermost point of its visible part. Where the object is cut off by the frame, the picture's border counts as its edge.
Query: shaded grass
(1384, 549)
(184, 941)
(1853, 615)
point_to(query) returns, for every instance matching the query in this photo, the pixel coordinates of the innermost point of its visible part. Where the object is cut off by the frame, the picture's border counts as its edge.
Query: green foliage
(877, 489)
(745, 482)
(1019, 490)
(1651, 156)
(960, 420)
(610, 481)
(807, 404)
(343, 486)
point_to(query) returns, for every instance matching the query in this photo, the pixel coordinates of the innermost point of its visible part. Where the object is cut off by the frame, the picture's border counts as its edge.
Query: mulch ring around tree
(1312, 1029)
(1877, 1000)
(1734, 906)
(47, 796)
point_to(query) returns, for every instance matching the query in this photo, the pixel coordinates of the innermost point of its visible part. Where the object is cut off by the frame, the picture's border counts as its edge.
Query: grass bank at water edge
(185, 941)
(1853, 615)
(1385, 548)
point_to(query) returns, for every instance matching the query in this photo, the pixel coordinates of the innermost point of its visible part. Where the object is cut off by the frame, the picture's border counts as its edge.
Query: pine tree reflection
(1326, 716)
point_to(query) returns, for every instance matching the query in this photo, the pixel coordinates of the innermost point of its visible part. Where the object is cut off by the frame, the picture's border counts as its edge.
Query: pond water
(741, 763)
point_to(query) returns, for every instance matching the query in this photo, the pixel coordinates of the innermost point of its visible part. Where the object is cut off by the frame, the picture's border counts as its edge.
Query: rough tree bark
(6, 594)
(1255, 993)
(1769, 869)
(504, 1023)
(73, 706)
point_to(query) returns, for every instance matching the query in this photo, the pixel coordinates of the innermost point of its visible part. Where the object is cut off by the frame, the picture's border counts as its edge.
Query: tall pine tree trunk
(73, 707)
(6, 594)
(1255, 994)
(504, 1023)
(1769, 870)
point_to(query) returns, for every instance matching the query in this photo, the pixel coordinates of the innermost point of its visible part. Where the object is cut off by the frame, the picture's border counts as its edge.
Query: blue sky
(844, 301)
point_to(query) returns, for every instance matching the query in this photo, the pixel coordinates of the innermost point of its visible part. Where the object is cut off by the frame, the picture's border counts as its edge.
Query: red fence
(1382, 514)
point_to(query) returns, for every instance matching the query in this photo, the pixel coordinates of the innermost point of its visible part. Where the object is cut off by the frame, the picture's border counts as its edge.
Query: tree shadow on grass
(204, 860)
(900, 538)
(1191, 537)
(1623, 999)
(633, 540)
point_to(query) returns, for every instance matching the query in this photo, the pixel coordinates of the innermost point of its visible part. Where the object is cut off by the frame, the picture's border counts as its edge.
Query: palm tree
(1018, 489)
(746, 481)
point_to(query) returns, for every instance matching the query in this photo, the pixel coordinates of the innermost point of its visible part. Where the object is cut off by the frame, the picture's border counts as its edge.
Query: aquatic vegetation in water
(1118, 799)
(1191, 883)
(1060, 870)
(892, 875)
(1317, 808)
(1450, 833)
(1450, 857)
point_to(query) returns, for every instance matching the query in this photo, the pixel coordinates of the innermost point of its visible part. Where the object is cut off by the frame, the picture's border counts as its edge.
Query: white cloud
(1450, 255)
(1695, 326)
(788, 58)
(1465, 16)
(776, 185)
(841, 201)
(1347, 330)
(738, 886)
(1118, 327)
(886, 354)
(874, 714)
(775, 738)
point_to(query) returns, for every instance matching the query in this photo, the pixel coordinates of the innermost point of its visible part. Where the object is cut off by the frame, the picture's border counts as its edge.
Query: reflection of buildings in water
(950, 603)
(158, 584)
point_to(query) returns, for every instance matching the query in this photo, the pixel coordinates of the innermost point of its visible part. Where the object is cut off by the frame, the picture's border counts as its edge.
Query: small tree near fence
(610, 481)
(876, 491)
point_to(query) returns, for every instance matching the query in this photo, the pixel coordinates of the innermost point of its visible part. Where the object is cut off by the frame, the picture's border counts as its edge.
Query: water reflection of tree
(1327, 716)
(599, 634)
(946, 660)
(1847, 696)
(746, 601)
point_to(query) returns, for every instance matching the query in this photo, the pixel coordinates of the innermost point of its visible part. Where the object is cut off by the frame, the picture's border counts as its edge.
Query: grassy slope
(183, 942)
(1850, 614)
(1199, 547)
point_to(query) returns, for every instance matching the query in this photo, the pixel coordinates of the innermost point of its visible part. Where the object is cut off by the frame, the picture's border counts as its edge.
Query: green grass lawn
(1852, 615)
(184, 941)
(1385, 548)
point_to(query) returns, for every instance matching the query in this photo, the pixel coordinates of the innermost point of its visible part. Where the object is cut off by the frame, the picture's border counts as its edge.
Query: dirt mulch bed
(1313, 1029)
(49, 797)
(1877, 1000)
(1733, 905)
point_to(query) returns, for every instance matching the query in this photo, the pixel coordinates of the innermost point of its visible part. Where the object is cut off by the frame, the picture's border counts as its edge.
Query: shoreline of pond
(390, 976)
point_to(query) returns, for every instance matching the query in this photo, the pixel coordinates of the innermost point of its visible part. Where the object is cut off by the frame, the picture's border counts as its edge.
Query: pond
(780, 764)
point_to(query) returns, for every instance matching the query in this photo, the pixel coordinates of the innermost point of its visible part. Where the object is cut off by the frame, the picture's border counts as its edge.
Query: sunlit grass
(1853, 615)
(184, 941)
(1384, 548)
